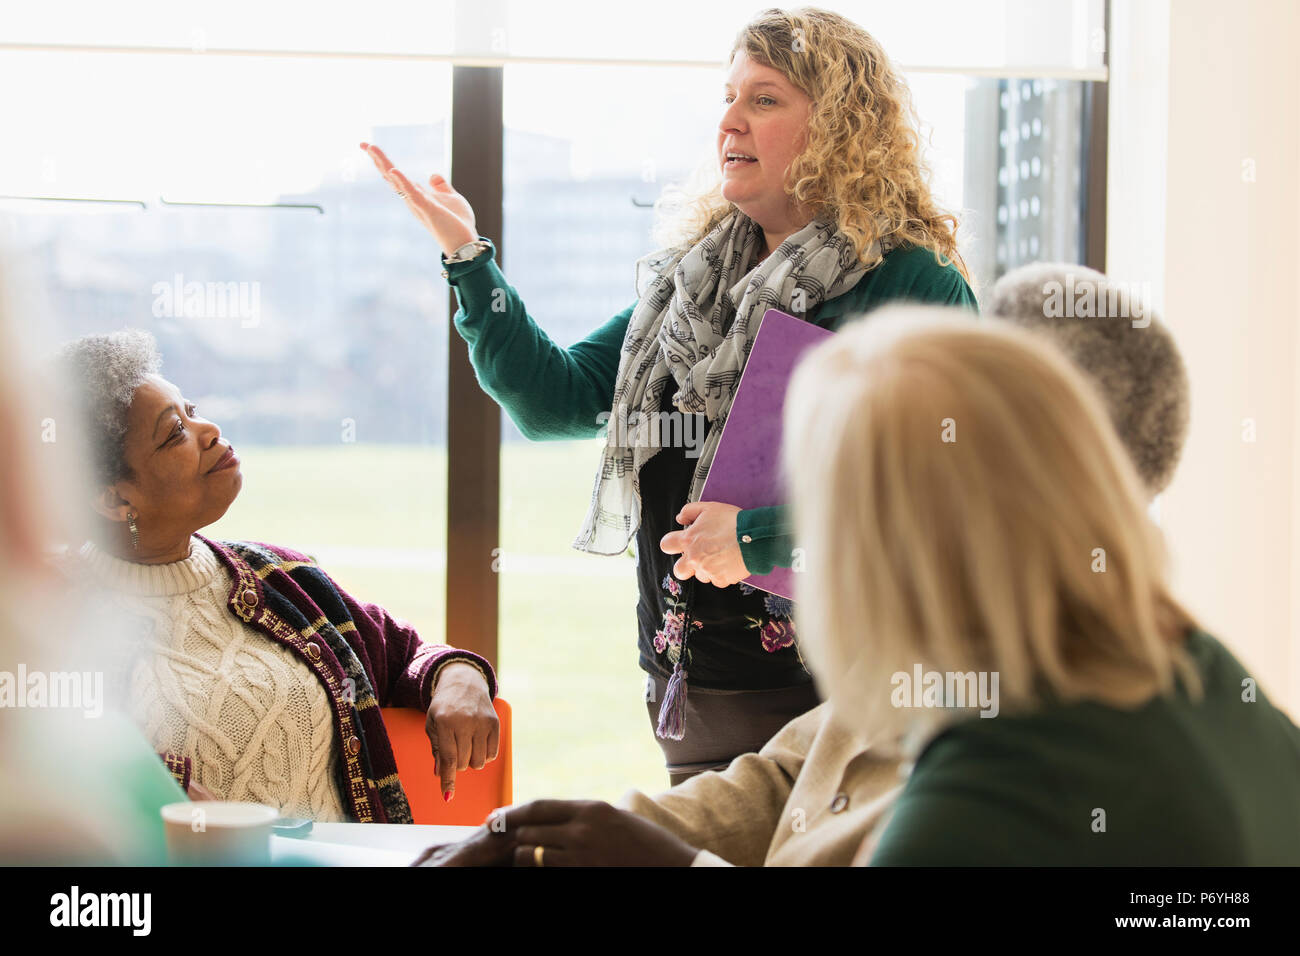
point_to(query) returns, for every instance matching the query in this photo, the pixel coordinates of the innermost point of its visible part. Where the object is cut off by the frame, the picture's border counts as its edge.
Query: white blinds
(1062, 38)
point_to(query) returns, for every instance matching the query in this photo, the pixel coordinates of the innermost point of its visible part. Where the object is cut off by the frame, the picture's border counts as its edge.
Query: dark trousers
(722, 725)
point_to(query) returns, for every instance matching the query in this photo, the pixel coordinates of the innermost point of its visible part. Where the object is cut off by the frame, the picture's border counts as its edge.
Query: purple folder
(746, 467)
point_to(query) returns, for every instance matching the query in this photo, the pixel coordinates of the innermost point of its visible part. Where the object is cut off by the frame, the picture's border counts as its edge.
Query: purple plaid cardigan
(363, 657)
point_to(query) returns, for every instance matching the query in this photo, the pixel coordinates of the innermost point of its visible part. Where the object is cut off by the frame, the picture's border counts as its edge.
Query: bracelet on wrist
(458, 660)
(468, 251)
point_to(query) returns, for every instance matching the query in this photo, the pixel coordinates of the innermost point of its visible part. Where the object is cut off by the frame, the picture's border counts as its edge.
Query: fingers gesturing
(439, 207)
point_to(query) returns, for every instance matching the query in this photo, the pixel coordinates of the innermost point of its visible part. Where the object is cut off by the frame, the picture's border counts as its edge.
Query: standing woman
(819, 207)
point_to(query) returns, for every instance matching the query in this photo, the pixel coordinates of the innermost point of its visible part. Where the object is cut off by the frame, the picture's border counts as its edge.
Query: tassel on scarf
(672, 711)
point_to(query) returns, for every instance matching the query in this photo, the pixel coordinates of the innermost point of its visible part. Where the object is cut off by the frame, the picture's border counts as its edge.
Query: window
(577, 216)
(223, 204)
(203, 180)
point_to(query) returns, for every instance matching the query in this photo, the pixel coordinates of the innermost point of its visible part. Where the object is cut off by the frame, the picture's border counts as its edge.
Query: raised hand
(443, 211)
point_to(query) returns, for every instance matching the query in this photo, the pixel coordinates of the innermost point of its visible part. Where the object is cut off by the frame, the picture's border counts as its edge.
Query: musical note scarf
(691, 330)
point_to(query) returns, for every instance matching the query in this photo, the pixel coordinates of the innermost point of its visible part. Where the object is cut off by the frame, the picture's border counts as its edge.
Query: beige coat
(810, 797)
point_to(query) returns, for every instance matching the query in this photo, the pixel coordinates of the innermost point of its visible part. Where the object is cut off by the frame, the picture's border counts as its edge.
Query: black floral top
(741, 638)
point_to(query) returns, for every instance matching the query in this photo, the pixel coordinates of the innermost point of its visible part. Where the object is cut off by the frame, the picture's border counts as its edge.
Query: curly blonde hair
(862, 166)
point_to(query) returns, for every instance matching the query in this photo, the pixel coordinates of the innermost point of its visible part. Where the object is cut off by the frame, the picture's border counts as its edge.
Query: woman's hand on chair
(439, 208)
(707, 544)
(462, 724)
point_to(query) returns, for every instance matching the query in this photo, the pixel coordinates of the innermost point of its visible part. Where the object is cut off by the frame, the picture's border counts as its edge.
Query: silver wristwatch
(468, 251)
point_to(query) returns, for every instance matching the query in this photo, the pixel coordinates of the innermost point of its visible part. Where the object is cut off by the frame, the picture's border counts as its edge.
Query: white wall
(1205, 96)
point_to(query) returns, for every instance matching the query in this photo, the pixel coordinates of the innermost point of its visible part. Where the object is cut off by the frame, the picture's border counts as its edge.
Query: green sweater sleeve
(549, 392)
(766, 535)
(964, 824)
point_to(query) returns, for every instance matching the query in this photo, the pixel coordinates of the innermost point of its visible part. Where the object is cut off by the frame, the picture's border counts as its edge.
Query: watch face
(468, 251)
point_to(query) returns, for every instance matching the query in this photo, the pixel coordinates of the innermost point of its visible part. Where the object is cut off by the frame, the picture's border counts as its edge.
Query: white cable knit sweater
(253, 718)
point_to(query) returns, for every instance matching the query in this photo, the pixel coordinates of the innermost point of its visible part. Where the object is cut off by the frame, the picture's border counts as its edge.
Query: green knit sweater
(552, 393)
(1175, 782)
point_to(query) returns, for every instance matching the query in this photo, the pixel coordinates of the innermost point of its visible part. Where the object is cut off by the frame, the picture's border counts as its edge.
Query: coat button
(249, 596)
(746, 538)
(840, 803)
(354, 745)
(313, 650)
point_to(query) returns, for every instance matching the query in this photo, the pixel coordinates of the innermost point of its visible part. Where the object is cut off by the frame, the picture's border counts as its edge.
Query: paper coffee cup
(218, 833)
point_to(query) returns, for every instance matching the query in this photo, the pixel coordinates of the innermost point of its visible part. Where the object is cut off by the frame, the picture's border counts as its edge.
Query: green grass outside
(567, 641)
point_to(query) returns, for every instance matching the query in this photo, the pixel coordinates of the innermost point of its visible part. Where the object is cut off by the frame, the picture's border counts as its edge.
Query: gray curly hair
(104, 372)
(1137, 368)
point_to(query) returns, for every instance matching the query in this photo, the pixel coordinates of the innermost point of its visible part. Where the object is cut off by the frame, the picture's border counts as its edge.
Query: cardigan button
(840, 803)
(313, 650)
(354, 745)
(249, 596)
(746, 538)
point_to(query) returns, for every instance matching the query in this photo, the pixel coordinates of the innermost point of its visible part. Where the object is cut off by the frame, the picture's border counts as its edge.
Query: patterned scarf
(691, 330)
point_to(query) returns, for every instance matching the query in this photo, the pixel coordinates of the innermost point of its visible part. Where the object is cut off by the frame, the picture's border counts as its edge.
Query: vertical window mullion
(473, 419)
(1093, 191)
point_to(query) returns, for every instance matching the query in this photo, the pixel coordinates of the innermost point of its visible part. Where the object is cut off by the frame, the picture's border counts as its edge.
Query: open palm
(443, 211)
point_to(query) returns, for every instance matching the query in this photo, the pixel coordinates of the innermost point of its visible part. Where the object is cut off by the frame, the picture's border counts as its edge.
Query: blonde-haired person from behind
(966, 507)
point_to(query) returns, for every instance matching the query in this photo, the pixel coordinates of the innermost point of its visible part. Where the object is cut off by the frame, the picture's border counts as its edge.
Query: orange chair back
(478, 792)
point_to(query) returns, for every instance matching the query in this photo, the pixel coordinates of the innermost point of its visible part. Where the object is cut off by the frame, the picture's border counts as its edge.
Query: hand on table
(462, 724)
(482, 848)
(440, 209)
(571, 833)
(707, 544)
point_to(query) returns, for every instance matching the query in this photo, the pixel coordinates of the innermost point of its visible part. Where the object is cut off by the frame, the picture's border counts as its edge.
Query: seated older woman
(1124, 349)
(253, 674)
(972, 523)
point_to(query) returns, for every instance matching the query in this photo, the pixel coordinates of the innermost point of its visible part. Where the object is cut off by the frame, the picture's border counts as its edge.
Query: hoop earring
(135, 532)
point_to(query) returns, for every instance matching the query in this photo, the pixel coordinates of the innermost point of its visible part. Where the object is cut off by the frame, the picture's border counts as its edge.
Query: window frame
(473, 504)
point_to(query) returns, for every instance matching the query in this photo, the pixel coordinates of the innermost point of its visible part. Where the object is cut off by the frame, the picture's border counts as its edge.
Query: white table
(362, 844)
